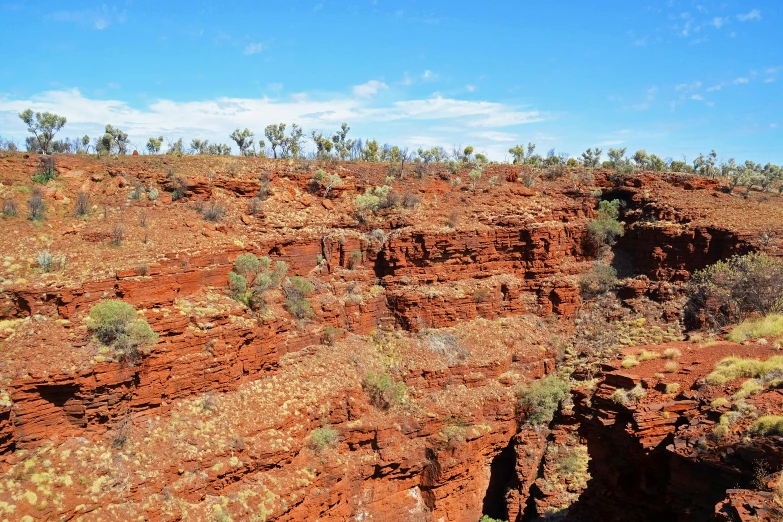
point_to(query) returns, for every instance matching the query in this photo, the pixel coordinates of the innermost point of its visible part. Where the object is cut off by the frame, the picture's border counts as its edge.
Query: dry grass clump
(625, 397)
(671, 353)
(768, 425)
(719, 402)
(726, 421)
(647, 356)
(769, 326)
(732, 368)
(629, 362)
(748, 388)
(671, 367)
(672, 388)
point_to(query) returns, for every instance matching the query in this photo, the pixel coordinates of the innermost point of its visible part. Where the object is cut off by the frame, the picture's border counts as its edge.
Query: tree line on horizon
(44, 126)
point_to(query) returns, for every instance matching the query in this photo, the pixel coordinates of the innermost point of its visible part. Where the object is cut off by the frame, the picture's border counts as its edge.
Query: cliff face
(243, 414)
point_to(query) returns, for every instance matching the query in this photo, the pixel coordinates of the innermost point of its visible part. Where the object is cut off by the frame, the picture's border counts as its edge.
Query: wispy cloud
(470, 88)
(429, 75)
(718, 22)
(685, 87)
(496, 136)
(697, 97)
(369, 89)
(649, 97)
(741, 80)
(100, 18)
(254, 48)
(753, 15)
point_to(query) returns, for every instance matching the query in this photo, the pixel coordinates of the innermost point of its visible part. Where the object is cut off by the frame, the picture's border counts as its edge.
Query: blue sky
(675, 77)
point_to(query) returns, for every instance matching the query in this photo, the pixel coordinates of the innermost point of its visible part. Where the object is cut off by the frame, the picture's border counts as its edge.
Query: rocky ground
(458, 296)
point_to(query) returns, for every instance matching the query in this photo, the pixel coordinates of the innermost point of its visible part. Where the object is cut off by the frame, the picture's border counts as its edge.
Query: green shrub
(540, 400)
(769, 326)
(719, 402)
(296, 291)
(606, 228)
(321, 438)
(383, 391)
(732, 290)
(115, 324)
(600, 280)
(768, 425)
(251, 278)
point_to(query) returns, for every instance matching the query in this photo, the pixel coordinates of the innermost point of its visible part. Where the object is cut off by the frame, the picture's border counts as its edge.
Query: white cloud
(715, 87)
(369, 89)
(254, 48)
(470, 88)
(769, 80)
(718, 22)
(755, 14)
(429, 75)
(740, 81)
(697, 97)
(215, 119)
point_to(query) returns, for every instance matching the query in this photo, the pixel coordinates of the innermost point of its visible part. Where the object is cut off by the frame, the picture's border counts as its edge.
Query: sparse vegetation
(115, 324)
(36, 206)
(671, 353)
(382, 391)
(732, 368)
(767, 425)
(629, 362)
(606, 227)
(601, 280)
(252, 277)
(82, 204)
(540, 400)
(671, 367)
(117, 234)
(732, 290)
(769, 326)
(322, 438)
(330, 334)
(445, 345)
(9, 208)
(213, 211)
(296, 290)
(719, 402)
(625, 397)
(49, 263)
